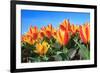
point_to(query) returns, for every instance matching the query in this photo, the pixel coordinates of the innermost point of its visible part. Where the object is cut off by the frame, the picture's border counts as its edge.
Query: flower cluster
(49, 43)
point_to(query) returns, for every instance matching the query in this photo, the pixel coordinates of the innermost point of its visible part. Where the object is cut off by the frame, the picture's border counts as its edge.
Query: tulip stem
(87, 45)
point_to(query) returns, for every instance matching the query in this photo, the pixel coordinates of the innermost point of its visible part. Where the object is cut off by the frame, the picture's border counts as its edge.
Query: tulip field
(65, 43)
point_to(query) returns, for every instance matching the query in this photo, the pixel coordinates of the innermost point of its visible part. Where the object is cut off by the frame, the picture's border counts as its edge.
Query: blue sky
(43, 18)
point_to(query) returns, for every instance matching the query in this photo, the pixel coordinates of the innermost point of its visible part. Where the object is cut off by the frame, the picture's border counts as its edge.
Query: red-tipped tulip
(63, 36)
(33, 32)
(84, 32)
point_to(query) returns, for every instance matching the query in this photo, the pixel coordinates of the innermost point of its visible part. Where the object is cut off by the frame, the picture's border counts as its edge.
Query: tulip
(54, 33)
(74, 29)
(41, 33)
(33, 32)
(48, 31)
(23, 38)
(42, 48)
(27, 39)
(65, 25)
(63, 36)
(84, 32)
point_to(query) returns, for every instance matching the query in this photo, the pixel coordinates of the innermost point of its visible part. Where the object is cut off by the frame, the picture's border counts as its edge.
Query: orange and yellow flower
(33, 32)
(74, 29)
(65, 25)
(42, 48)
(27, 39)
(54, 33)
(48, 31)
(84, 32)
(63, 36)
(41, 33)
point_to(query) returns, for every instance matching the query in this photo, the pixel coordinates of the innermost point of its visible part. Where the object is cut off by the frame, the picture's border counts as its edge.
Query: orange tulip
(27, 39)
(48, 31)
(54, 33)
(41, 34)
(23, 38)
(65, 25)
(33, 32)
(63, 36)
(74, 29)
(84, 32)
(42, 48)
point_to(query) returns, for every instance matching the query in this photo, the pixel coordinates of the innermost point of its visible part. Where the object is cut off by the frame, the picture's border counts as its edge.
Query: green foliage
(83, 51)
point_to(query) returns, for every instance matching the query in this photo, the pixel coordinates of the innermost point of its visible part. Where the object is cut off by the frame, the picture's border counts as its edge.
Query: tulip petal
(88, 32)
(83, 34)
(59, 37)
(66, 37)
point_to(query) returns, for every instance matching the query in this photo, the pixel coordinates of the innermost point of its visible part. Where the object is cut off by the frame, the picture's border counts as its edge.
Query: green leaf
(64, 56)
(50, 51)
(56, 45)
(83, 51)
(58, 52)
(36, 59)
(65, 50)
(45, 58)
(71, 53)
(58, 58)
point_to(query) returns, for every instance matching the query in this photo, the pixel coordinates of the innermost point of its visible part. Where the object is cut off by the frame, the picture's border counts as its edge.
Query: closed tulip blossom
(84, 33)
(65, 24)
(63, 36)
(48, 31)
